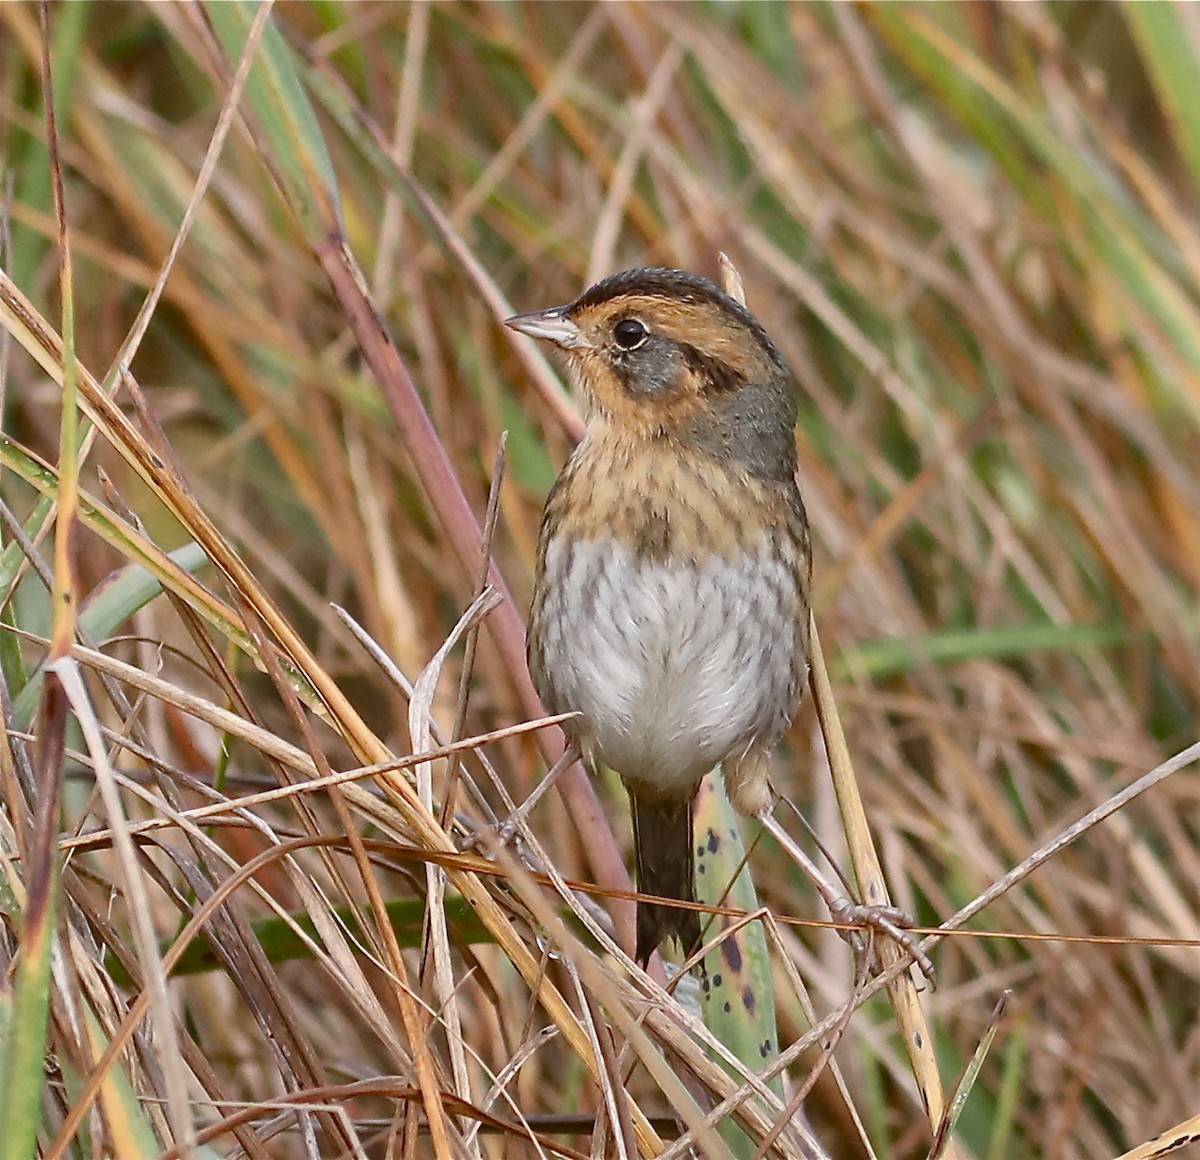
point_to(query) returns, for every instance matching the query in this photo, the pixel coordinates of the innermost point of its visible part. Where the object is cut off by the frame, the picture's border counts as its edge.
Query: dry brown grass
(971, 229)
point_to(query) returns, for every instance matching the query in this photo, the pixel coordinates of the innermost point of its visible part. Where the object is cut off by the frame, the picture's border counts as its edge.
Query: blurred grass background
(971, 228)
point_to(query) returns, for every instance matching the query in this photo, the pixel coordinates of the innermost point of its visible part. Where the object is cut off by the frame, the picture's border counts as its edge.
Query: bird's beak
(552, 325)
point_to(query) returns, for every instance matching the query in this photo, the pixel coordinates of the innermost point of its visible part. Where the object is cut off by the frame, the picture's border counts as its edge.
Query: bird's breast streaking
(670, 609)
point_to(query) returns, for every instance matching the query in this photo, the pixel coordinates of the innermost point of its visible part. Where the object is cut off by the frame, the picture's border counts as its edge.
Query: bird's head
(666, 354)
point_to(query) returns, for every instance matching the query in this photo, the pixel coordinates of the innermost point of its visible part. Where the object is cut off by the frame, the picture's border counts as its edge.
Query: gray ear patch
(651, 370)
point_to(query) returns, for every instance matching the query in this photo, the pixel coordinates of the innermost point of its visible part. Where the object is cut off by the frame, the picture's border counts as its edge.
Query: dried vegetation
(972, 229)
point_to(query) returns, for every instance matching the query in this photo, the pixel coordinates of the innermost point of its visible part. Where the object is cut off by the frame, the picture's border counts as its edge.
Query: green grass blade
(295, 145)
(129, 1129)
(1165, 36)
(29, 157)
(287, 939)
(737, 998)
(886, 658)
(23, 1038)
(129, 591)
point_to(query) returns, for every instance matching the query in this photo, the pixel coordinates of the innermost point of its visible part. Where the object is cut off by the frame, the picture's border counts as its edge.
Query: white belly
(674, 668)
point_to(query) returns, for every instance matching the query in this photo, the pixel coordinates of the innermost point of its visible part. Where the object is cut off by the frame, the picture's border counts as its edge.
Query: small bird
(671, 592)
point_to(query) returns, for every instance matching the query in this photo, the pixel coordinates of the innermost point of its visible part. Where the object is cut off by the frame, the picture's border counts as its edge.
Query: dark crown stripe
(676, 285)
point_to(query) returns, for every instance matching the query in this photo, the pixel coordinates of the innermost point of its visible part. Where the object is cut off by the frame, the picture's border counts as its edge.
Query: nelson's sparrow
(671, 593)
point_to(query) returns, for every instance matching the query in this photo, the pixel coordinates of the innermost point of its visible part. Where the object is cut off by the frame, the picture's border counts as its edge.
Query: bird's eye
(629, 333)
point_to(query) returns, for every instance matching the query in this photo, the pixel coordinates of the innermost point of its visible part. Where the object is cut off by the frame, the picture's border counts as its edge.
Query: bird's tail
(666, 866)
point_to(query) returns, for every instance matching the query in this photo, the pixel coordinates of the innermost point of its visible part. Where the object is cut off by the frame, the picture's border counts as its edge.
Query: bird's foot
(486, 838)
(861, 922)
